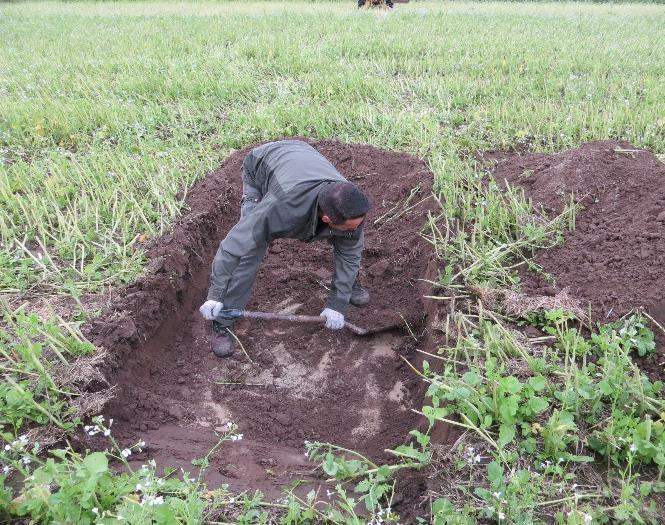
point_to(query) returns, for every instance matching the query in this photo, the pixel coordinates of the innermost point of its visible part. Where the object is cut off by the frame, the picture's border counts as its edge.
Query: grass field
(101, 128)
(108, 111)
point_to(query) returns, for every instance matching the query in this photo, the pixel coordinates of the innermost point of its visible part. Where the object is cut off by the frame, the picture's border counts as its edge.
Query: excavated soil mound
(306, 382)
(615, 257)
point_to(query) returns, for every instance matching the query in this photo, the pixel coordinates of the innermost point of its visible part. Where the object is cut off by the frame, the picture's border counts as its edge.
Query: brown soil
(614, 258)
(306, 383)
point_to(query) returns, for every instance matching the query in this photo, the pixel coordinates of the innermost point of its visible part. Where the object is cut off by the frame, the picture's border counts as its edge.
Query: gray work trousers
(241, 283)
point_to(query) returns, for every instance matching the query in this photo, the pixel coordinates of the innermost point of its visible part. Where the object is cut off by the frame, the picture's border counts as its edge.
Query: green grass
(110, 111)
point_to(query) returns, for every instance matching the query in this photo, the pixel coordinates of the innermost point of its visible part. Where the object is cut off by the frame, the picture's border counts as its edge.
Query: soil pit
(306, 382)
(614, 258)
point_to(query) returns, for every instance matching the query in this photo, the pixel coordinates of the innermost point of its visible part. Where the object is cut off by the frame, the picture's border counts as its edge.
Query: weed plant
(38, 359)
(538, 424)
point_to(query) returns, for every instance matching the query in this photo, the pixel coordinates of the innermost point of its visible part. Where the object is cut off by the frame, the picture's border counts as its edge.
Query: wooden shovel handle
(299, 319)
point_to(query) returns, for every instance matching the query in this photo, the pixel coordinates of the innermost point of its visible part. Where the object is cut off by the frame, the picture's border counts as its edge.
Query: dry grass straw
(87, 385)
(515, 304)
(92, 403)
(82, 372)
(46, 435)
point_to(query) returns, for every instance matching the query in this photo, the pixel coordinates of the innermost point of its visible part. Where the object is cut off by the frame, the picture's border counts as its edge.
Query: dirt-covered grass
(110, 111)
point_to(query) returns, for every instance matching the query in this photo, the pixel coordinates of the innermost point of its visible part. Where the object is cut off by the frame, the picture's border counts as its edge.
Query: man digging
(289, 191)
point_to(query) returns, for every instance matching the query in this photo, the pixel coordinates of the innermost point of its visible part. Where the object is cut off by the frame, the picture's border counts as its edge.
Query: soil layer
(305, 382)
(614, 258)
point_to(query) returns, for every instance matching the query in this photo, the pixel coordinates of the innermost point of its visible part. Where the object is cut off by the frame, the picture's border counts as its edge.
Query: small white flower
(587, 518)
(502, 516)
(6, 470)
(107, 432)
(23, 439)
(229, 424)
(26, 460)
(152, 463)
(139, 487)
(95, 510)
(633, 447)
(477, 458)
(126, 453)
(497, 495)
(160, 481)
(110, 421)
(8, 448)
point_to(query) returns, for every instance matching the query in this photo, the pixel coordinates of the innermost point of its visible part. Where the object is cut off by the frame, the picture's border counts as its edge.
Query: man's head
(342, 206)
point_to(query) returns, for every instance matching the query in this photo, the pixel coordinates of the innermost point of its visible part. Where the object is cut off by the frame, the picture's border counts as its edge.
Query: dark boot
(359, 295)
(223, 343)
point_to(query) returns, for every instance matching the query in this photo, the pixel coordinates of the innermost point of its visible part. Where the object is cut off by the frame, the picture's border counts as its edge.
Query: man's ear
(326, 219)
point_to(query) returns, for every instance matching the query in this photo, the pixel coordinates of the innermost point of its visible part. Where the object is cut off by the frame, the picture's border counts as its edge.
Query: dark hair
(342, 201)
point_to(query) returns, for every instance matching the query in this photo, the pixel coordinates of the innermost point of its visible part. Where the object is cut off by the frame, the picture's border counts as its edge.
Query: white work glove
(210, 309)
(334, 320)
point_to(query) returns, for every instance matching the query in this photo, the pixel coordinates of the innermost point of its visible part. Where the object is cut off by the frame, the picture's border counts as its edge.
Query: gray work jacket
(289, 175)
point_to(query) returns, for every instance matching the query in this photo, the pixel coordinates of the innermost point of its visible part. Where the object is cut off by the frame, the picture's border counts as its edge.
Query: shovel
(246, 314)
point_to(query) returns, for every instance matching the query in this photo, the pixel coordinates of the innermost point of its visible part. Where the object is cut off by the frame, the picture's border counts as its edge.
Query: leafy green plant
(630, 334)
(375, 485)
(488, 398)
(71, 487)
(583, 400)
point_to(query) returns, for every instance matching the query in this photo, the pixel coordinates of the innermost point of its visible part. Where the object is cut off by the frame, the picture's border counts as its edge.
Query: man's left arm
(347, 254)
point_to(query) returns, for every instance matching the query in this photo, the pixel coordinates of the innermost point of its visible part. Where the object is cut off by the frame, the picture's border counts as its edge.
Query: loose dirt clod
(614, 258)
(306, 382)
